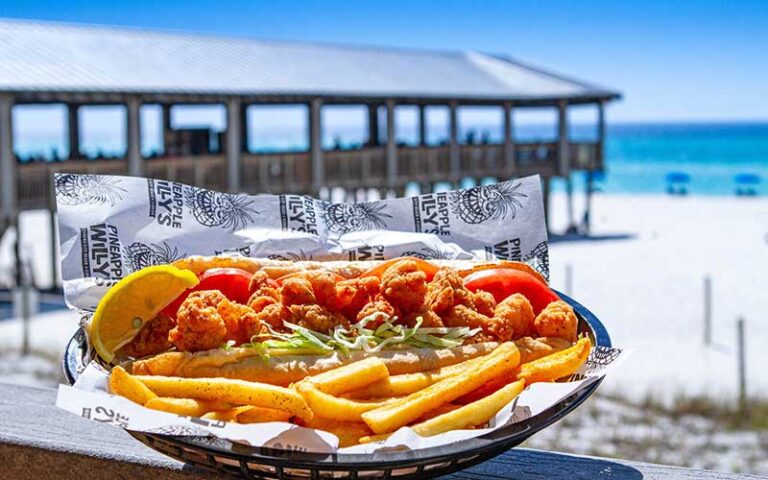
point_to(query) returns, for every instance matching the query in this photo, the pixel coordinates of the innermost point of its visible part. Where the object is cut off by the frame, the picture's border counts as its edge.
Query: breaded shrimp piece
(557, 320)
(316, 317)
(199, 326)
(250, 326)
(484, 302)
(235, 315)
(297, 291)
(354, 294)
(404, 286)
(492, 329)
(447, 290)
(151, 339)
(516, 311)
(378, 304)
(429, 319)
(273, 315)
(323, 286)
(261, 288)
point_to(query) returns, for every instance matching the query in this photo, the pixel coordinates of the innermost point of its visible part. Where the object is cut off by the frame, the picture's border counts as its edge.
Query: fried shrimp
(557, 320)
(297, 291)
(446, 291)
(404, 286)
(199, 326)
(516, 311)
(316, 317)
(152, 339)
(354, 294)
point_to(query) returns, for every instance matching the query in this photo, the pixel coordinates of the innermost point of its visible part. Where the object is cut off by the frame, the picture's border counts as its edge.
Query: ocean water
(638, 156)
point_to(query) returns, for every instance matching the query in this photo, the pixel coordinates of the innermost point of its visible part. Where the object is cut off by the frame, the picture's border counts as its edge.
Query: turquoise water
(638, 157)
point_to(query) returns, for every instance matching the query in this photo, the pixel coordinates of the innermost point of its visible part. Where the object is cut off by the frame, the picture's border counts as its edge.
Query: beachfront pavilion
(79, 66)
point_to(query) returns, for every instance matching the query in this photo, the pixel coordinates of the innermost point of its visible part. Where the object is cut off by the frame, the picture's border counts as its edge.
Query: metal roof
(55, 57)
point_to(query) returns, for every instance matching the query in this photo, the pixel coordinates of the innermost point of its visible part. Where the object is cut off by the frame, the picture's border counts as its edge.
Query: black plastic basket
(224, 456)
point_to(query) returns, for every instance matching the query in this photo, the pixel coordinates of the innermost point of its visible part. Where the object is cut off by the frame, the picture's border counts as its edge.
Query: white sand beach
(641, 273)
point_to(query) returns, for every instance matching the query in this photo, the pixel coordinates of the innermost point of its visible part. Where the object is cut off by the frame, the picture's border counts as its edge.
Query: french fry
(472, 414)
(123, 384)
(263, 415)
(444, 408)
(534, 348)
(558, 365)
(187, 407)
(407, 383)
(349, 377)
(249, 414)
(349, 433)
(390, 417)
(238, 392)
(374, 438)
(344, 409)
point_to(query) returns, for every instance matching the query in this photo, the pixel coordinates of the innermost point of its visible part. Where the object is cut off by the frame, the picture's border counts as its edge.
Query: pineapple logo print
(538, 258)
(479, 204)
(291, 256)
(140, 255)
(342, 218)
(429, 253)
(217, 209)
(74, 189)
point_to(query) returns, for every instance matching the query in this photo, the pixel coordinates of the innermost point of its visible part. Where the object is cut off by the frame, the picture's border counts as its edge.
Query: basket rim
(508, 436)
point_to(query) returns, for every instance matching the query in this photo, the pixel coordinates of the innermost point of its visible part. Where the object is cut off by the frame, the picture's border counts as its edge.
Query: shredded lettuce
(360, 336)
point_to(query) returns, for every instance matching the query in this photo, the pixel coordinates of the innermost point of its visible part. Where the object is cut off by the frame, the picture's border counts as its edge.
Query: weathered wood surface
(38, 441)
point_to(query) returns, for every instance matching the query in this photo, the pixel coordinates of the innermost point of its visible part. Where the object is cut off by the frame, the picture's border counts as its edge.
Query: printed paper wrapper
(110, 226)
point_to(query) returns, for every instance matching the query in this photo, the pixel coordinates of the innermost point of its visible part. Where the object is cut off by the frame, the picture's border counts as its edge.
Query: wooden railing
(39, 441)
(292, 171)
(207, 171)
(286, 172)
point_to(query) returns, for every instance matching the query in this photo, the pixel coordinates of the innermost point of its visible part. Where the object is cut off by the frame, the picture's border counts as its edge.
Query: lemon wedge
(134, 301)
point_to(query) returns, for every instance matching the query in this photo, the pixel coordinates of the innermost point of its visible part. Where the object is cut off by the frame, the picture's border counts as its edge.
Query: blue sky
(673, 60)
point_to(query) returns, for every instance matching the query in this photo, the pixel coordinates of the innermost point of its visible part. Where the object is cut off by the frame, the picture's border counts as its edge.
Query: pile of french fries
(361, 402)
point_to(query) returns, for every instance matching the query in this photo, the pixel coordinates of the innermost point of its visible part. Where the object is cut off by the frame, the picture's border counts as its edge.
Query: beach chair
(677, 183)
(746, 184)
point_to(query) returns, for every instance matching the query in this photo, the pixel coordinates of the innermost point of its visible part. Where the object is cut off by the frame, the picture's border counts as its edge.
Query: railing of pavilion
(291, 172)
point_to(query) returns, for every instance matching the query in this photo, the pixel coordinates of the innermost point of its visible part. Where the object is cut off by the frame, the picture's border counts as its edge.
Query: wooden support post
(315, 145)
(598, 164)
(73, 130)
(135, 164)
(234, 144)
(373, 125)
(510, 162)
(244, 128)
(391, 152)
(165, 110)
(564, 163)
(743, 407)
(8, 165)
(600, 133)
(423, 125)
(454, 151)
(707, 310)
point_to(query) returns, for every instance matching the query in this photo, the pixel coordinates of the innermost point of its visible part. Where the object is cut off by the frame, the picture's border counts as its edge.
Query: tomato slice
(425, 266)
(503, 282)
(233, 283)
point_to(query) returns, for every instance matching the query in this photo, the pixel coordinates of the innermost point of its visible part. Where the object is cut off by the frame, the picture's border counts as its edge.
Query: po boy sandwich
(277, 322)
